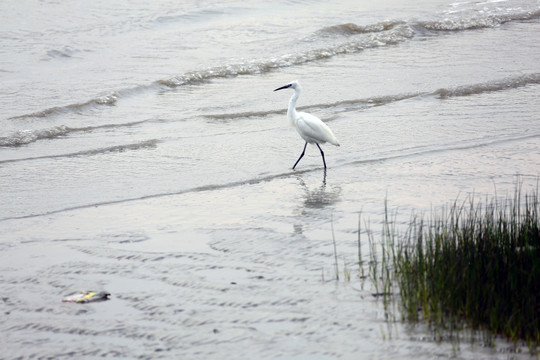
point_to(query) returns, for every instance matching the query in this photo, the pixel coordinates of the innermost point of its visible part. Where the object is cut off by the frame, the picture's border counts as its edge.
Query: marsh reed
(474, 265)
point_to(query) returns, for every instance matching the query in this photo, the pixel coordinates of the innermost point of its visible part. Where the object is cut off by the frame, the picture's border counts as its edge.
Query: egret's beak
(284, 87)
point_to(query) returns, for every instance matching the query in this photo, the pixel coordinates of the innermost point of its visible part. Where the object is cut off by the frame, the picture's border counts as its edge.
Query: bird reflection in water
(316, 203)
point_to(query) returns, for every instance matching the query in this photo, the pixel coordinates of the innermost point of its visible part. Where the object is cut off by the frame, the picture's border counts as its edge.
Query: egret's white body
(309, 127)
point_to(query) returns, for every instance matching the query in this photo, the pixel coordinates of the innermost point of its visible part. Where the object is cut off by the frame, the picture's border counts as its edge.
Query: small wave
(196, 15)
(396, 155)
(385, 33)
(368, 102)
(101, 100)
(243, 115)
(459, 23)
(353, 29)
(147, 144)
(58, 54)
(359, 104)
(497, 85)
(380, 34)
(63, 53)
(349, 105)
(202, 188)
(449, 147)
(23, 137)
(110, 126)
(395, 36)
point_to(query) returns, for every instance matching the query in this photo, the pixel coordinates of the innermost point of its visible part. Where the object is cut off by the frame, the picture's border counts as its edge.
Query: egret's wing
(312, 129)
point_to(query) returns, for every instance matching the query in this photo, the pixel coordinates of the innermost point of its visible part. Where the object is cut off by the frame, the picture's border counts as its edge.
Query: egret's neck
(291, 111)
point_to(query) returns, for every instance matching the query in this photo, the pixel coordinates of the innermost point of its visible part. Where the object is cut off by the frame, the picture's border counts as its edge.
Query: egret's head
(293, 85)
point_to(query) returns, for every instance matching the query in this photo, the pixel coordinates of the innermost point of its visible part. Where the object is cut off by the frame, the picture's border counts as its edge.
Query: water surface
(143, 151)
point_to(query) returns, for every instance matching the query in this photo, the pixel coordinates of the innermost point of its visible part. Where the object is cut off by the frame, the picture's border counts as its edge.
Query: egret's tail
(334, 141)
(331, 138)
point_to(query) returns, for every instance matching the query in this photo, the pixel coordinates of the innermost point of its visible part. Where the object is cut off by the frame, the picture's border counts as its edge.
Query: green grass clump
(473, 266)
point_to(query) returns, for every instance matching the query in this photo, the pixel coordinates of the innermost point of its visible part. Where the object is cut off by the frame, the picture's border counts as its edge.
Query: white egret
(309, 127)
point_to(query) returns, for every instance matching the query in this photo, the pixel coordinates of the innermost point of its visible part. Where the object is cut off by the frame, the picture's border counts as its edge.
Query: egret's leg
(322, 154)
(301, 156)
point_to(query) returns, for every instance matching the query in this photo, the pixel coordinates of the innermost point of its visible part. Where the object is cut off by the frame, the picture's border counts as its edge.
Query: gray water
(143, 152)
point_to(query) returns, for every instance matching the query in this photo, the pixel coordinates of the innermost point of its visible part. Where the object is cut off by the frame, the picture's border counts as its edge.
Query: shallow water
(143, 151)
